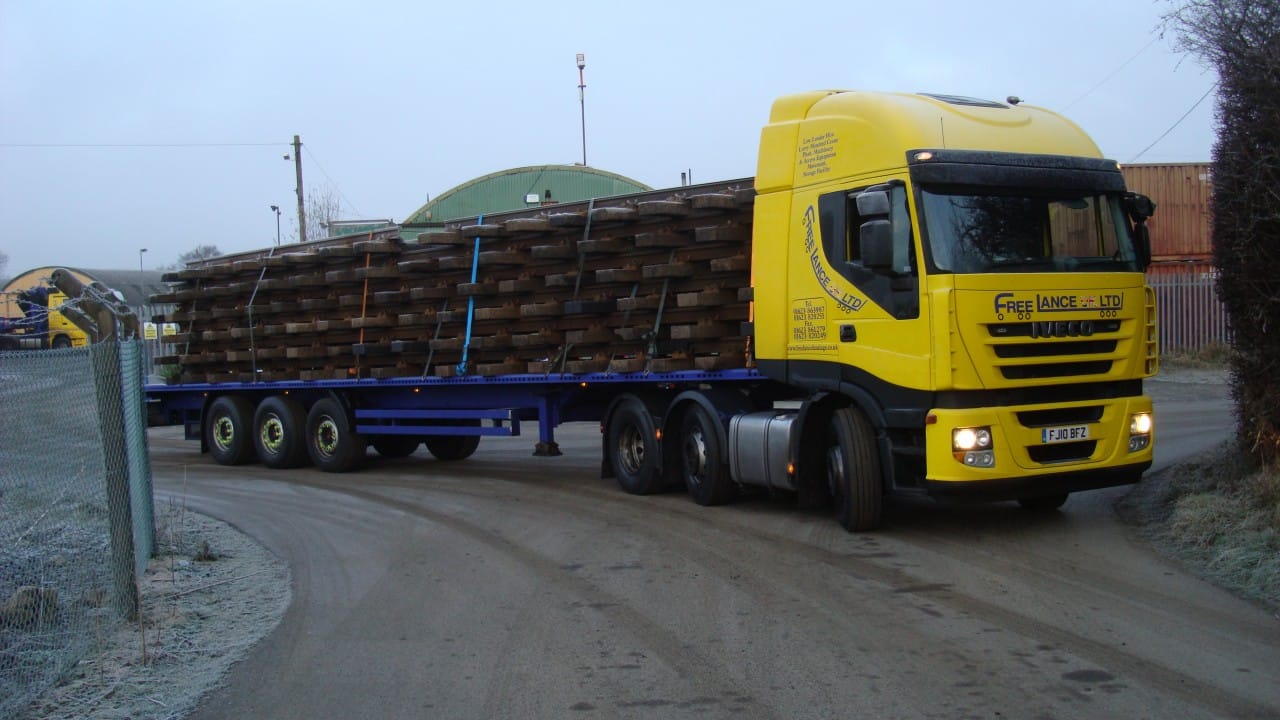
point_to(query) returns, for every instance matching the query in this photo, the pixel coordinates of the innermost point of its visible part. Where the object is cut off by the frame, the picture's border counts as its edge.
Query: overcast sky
(162, 125)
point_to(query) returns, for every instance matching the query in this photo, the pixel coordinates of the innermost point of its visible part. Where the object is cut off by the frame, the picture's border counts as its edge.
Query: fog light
(1139, 442)
(980, 458)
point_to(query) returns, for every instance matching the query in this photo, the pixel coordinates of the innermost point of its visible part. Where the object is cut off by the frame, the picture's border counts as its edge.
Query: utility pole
(582, 103)
(297, 167)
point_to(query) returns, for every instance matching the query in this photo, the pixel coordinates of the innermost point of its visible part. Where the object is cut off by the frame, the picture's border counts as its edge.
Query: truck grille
(1061, 340)
(1066, 452)
(1085, 328)
(1029, 350)
(1060, 416)
(1052, 370)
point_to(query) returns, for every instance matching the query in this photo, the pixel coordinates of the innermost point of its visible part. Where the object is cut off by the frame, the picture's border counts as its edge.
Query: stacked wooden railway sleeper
(652, 282)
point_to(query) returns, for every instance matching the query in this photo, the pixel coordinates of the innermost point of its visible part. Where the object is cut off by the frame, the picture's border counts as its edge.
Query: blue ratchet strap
(471, 301)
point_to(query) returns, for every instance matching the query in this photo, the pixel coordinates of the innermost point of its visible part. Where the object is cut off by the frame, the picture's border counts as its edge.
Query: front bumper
(1036, 486)
(1026, 463)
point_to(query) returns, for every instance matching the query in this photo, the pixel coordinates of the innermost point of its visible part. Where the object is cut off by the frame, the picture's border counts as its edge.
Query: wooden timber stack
(652, 282)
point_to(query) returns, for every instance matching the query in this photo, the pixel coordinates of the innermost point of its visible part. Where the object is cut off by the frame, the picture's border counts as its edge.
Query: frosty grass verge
(209, 595)
(1219, 514)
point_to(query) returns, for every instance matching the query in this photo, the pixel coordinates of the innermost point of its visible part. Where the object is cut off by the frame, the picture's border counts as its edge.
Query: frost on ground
(206, 599)
(1219, 514)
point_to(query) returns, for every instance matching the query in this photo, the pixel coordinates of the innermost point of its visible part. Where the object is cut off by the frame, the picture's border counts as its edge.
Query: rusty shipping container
(1182, 192)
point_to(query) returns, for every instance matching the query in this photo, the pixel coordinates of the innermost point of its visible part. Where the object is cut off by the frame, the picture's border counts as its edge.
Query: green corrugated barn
(520, 188)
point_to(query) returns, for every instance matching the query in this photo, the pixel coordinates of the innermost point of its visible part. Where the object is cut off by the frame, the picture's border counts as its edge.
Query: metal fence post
(107, 384)
(141, 495)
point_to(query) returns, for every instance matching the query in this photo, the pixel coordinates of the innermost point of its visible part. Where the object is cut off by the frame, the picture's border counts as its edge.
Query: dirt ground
(201, 616)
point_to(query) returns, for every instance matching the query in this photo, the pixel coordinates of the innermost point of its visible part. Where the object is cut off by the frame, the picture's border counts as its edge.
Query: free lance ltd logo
(829, 284)
(1009, 305)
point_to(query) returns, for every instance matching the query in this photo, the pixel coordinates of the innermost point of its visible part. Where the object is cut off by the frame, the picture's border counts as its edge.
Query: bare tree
(1240, 39)
(200, 252)
(322, 209)
(4, 264)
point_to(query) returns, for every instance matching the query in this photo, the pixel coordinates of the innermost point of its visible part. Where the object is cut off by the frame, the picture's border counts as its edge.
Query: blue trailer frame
(434, 405)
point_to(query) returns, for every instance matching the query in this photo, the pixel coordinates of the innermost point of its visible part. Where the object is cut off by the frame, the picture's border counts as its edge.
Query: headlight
(1140, 424)
(1139, 431)
(970, 438)
(972, 446)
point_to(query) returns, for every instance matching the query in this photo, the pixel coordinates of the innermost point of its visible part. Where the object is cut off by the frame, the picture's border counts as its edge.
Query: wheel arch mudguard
(808, 448)
(721, 403)
(654, 403)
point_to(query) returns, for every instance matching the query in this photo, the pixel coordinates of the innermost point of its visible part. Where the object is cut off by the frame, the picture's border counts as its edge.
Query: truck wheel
(633, 449)
(452, 447)
(331, 443)
(1043, 503)
(394, 446)
(280, 440)
(62, 342)
(702, 460)
(853, 470)
(228, 430)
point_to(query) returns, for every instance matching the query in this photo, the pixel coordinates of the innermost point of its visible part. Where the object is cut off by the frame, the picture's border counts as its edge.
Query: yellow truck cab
(960, 285)
(62, 332)
(32, 319)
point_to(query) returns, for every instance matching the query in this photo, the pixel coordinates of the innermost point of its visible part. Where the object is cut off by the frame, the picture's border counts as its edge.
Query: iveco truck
(935, 295)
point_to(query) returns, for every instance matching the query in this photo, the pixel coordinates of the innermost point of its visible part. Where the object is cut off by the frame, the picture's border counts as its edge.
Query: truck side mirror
(1144, 246)
(873, 203)
(875, 235)
(875, 241)
(1139, 206)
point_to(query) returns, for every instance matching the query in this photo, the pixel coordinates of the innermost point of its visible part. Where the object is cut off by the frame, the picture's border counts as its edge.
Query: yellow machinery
(33, 320)
(62, 312)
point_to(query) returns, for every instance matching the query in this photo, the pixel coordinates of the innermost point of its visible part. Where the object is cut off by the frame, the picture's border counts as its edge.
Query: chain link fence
(76, 525)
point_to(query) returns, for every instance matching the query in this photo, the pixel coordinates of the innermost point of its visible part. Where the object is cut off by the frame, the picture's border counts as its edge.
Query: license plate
(1066, 433)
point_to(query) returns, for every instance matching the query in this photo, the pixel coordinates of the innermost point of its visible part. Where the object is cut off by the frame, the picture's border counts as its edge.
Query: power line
(331, 182)
(134, 145)
(1176, 124)
(1115, 72)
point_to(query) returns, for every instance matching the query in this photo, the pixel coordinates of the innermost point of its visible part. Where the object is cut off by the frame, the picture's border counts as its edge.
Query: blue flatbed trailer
(461, 406)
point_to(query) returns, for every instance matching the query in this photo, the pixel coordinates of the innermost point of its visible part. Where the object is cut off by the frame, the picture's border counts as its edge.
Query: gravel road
(509, 586)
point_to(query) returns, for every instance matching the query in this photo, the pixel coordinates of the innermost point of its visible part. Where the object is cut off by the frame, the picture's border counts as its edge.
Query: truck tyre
(1043, 503)
(331, 442)
(633, 451)
(394, 446)
(703, 466)
(62, 342)
(228, 430)
(280, 438)
(853, 470)
(452, 447)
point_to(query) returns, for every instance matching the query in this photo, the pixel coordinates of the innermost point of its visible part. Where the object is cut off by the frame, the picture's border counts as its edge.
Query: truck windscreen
(1021, 232)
